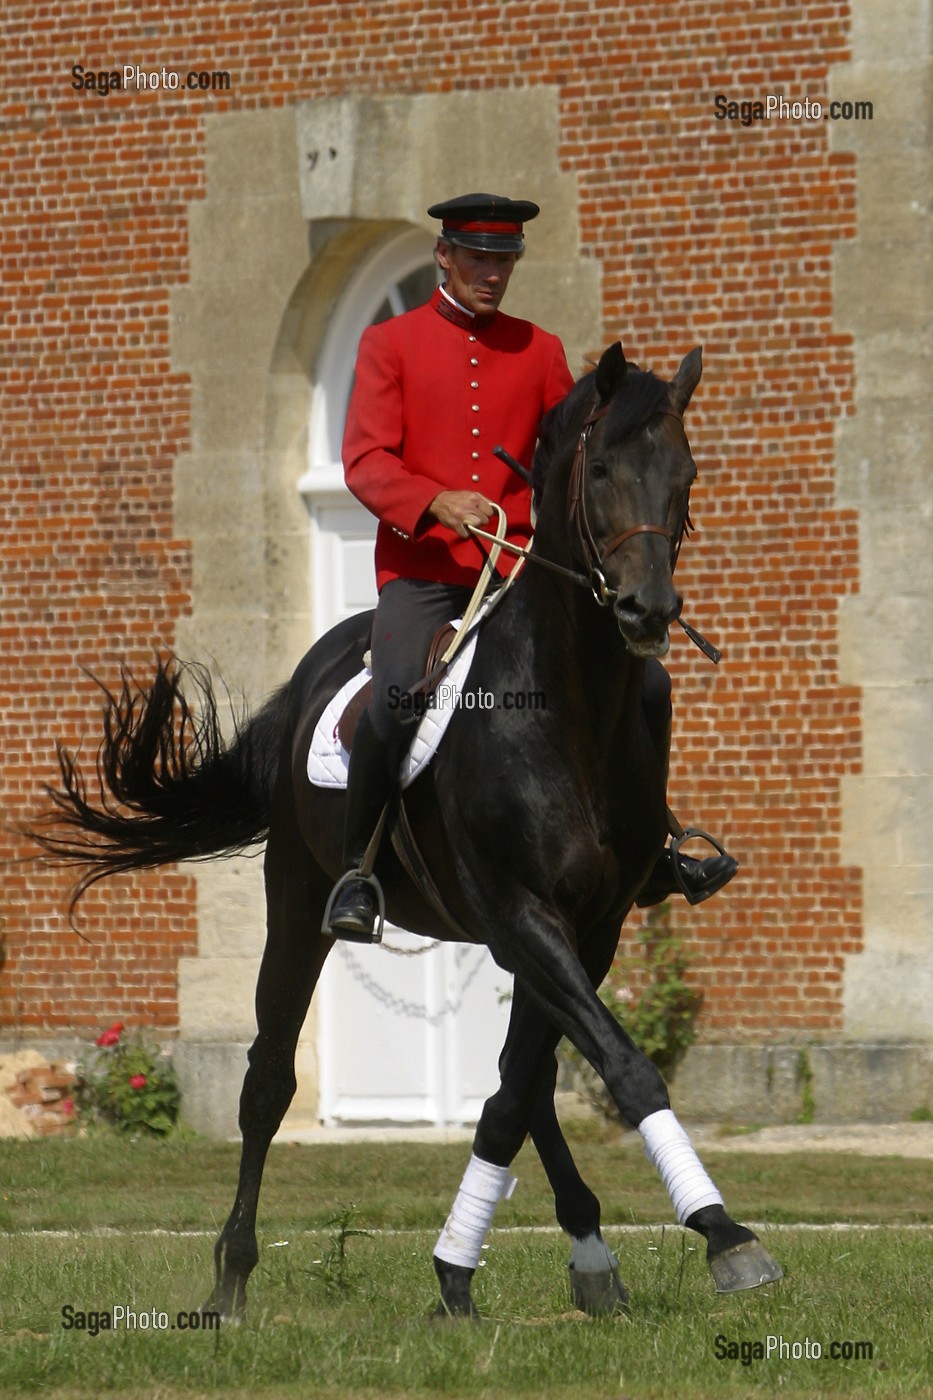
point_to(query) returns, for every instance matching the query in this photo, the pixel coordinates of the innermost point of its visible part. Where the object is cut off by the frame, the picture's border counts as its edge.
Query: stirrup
(689, 833)
(380, 906)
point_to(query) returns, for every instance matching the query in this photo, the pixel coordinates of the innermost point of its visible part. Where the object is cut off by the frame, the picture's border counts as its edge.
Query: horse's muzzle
(644, 620)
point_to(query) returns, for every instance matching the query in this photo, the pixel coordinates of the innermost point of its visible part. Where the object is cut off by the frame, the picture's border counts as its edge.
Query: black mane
(643, 394)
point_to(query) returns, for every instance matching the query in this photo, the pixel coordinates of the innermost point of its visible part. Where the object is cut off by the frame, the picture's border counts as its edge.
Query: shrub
(129, 1084)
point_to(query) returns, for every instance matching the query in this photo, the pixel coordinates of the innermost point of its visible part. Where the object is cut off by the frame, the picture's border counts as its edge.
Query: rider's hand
(458, 509)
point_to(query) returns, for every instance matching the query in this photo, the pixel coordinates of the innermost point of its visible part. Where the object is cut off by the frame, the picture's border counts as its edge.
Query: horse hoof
(595, 1286)
(747, 1265)
(598, 1294)
(447, 1312)
(455, 1281)
(210, 1313)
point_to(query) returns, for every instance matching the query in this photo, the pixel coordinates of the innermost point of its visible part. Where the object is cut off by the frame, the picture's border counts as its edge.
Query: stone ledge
(849, 1082)
(837, 1083)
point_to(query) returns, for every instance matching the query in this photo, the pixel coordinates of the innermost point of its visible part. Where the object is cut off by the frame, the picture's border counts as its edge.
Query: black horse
(538, 827)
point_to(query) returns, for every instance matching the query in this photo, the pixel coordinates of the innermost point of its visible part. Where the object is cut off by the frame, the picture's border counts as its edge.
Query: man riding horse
(435, 390)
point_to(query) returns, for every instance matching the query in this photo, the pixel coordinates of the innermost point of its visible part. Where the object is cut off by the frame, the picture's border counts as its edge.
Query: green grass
(189, 1184)
(314, 1330)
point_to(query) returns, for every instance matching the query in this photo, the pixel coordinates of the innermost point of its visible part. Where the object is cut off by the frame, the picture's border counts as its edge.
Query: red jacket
(433, 395)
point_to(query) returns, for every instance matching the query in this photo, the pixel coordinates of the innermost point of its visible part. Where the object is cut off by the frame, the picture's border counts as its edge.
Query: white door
(409, 1031)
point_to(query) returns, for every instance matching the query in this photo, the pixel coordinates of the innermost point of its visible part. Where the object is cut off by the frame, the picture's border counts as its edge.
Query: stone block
(227, 567)
(895, 33)
(844, 1082)
(884, 637)
(234, 646)
(897, 731)
(897, 364)
(561, 297)
(895, 556)
(215, 998)
(886, 285)
(217, 491)
(210, 1077)
(231, 908)
(250, 159)
(360, 157)
(888, 991)
(887, 820)
(883, 454)
(737, 1083)
(900, 94)
(871, 1082)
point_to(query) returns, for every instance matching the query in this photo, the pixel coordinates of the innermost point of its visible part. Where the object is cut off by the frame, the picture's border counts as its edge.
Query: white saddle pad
(328, 760)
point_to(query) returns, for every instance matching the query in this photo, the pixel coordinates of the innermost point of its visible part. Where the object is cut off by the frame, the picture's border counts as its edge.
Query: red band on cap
(474, 226)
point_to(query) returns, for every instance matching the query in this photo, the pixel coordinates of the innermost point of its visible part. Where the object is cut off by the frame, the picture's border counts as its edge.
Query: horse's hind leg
(294, 955)
(530, 1043)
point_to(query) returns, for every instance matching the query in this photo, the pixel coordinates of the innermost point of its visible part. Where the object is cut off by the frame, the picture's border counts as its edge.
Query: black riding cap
(488, 222)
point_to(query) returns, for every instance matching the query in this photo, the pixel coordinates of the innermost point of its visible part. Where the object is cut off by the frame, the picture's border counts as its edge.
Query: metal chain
(398, 1005)
(410, 952)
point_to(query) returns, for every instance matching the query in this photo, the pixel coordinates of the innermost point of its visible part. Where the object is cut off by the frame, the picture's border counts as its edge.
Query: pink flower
(67, 1108)
(111, 1036)
(137, 1081)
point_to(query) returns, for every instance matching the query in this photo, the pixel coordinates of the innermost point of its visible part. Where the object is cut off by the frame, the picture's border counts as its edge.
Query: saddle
(359, 703)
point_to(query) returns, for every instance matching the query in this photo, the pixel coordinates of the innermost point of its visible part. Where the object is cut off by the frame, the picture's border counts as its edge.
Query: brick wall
(707, 231)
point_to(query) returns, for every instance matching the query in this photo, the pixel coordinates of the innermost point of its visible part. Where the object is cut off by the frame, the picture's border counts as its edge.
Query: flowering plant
(129, 1084)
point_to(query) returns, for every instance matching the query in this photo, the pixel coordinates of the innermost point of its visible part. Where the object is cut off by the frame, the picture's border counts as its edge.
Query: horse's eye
(599, 470)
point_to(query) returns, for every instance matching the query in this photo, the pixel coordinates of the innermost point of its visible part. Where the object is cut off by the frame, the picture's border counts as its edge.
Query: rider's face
(477, 280)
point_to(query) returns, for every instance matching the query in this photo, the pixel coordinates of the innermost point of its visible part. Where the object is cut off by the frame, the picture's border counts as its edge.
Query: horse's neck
(573, 649)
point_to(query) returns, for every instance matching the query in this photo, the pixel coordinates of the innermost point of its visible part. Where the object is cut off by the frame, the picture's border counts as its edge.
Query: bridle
(594, 579)
(576, 498)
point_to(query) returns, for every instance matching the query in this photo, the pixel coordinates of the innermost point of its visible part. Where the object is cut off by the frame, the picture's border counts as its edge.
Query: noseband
(576, 501)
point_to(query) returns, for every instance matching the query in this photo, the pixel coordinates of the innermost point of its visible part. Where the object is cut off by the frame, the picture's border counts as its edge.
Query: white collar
(453, 301)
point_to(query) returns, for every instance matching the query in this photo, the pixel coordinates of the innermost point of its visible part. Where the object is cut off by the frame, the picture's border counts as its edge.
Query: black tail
(169, 788)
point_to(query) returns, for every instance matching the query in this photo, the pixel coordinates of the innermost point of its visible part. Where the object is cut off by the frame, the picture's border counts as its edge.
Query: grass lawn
(319, 1326)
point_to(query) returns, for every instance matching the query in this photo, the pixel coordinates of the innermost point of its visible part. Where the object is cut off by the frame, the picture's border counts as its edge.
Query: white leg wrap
(671, 1151)
(482, 1188)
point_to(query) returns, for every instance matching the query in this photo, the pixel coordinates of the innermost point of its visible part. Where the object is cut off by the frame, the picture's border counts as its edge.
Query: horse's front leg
(543, 959)
(595, 1285)
(557, 979)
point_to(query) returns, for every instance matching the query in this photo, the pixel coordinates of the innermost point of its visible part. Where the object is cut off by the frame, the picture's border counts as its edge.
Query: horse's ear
(687, 378)
(610, 372)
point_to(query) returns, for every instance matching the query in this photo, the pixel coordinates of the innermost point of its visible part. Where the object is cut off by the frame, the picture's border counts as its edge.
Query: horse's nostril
(629, 607)
(639, 609)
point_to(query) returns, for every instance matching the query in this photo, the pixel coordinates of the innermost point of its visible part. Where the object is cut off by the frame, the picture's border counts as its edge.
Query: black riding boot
(372, 778)
(698, 878)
